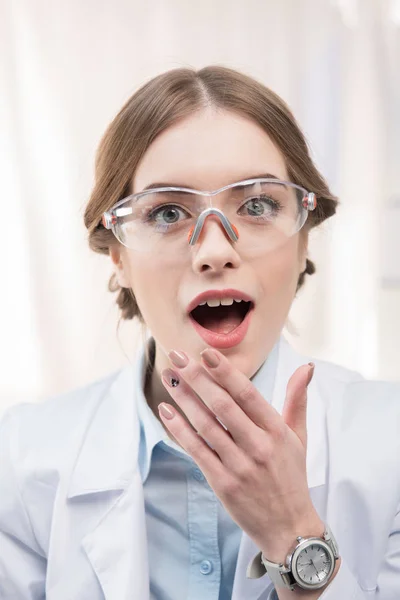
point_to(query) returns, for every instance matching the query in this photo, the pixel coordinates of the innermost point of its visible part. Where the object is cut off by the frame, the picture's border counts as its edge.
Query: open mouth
(221, 318)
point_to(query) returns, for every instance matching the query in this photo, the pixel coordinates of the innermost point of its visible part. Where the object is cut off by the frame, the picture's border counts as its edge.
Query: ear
(118, 260)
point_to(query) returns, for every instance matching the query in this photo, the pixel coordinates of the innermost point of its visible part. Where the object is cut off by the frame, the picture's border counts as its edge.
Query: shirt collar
(152, 432)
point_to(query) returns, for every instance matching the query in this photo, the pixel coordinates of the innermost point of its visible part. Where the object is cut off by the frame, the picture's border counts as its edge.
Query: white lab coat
(72, 518)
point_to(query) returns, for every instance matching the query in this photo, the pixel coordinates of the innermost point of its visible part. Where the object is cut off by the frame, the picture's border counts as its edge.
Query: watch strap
(279, 574)
(256, 568)
(279, 577)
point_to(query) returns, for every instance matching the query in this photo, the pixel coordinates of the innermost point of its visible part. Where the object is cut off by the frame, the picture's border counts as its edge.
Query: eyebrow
(182, 185)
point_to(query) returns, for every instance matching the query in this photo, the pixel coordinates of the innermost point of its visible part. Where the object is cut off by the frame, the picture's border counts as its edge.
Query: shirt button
(197, 474)
(206, 567)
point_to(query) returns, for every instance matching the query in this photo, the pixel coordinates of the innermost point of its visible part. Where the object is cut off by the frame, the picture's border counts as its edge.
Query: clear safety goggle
(257, 214)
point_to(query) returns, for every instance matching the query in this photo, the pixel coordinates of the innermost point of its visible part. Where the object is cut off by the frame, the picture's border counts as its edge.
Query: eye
(261, 206)
(166, 215)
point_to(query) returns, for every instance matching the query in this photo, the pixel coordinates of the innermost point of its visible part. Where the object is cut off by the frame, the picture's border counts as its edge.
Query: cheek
(149, 275)
(153, 271)
(279, 272)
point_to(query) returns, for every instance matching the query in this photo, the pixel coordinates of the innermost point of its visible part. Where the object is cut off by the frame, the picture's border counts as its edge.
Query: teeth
(224, 302)
(213, 302)
(227, 301)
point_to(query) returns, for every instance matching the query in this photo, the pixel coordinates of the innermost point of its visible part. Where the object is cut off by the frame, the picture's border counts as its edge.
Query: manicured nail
(179, 359)
(170, 377)
(310, 373)
(210, 357)
(165, 411)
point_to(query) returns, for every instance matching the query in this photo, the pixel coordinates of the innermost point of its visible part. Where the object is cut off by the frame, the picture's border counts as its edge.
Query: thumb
(295, 408)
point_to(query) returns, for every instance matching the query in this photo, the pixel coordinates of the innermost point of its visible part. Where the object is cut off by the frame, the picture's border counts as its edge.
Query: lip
(224, 340)
(218, 295)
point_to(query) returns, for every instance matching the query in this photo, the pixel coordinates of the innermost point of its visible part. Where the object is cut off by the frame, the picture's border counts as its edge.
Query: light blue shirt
(193, 543)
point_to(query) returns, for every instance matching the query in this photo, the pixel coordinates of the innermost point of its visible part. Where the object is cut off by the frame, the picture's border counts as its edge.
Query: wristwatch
(309, 565)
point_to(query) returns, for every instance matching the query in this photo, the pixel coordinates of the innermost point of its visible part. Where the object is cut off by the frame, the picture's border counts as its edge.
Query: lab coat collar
(109, 455)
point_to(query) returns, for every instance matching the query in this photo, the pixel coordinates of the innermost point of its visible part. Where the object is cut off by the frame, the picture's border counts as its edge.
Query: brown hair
(165, 100)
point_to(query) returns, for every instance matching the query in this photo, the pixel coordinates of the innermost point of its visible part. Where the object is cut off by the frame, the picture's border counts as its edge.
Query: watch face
(313, 565)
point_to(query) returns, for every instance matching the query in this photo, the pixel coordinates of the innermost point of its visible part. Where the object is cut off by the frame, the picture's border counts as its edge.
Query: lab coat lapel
(107, 469)
(117, 548)
(288, 361)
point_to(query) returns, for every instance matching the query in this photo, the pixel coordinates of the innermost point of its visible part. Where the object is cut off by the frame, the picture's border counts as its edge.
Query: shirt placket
(205, 560)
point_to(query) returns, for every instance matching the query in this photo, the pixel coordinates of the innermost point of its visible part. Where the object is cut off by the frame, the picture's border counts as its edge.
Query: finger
(242, 390)
(221, 401)
(204, 456)
(201, 418)
(295, 408)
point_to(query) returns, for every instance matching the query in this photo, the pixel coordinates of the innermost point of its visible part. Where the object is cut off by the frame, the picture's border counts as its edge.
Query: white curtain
(65, 70)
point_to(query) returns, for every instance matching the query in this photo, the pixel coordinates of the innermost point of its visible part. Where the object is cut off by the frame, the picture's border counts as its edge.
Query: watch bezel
(293, 557)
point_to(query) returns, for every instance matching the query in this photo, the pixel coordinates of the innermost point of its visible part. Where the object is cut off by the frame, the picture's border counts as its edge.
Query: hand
(257, 466)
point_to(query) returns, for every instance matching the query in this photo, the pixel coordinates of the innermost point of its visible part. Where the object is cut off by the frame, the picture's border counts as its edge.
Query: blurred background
(66, 68)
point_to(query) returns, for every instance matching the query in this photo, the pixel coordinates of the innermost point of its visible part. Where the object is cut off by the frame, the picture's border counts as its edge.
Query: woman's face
(206, 151)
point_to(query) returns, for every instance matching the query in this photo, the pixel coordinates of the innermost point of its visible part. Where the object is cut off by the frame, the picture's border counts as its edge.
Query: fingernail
(310, 373)
(179, 359)
(210, 357)
(165, 411)
(170, 377)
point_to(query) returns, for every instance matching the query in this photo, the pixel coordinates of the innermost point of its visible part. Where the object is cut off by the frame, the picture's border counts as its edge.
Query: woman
(219, 467)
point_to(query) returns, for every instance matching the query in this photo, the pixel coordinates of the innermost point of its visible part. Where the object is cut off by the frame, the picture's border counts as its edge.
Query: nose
(214, 250)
